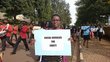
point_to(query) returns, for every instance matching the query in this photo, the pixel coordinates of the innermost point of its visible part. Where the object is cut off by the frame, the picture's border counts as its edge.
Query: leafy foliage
(61, 8)
(92, 11)
(36, 10)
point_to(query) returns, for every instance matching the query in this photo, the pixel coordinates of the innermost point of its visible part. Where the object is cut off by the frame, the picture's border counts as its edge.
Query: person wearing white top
(96, 32)
(101, 33)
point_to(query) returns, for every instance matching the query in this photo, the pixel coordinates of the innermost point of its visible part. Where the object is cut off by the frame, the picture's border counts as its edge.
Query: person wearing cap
(23, 36)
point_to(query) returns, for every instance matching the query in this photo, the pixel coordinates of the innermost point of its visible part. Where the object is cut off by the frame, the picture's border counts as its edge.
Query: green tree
(91, 11)
(43, 8)
(62, 8)
(40, 10)
(15, 7)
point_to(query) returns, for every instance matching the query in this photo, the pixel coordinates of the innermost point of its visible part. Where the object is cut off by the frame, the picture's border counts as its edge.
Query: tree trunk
(14, 17)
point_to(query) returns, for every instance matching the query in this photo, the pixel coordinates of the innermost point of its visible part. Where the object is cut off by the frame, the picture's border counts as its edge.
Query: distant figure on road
(15, 32)
(23, 36)
(8, 28)
(85, 34)
(101, 32)
(96, 32)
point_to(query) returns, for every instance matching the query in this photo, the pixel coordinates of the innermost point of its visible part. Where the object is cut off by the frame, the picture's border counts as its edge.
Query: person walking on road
(8, 28)
(23, 36)
(101, 32)
(86, 34)
(15, 31)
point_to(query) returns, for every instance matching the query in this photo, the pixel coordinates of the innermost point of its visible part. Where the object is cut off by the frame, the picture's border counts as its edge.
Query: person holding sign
(56, 24)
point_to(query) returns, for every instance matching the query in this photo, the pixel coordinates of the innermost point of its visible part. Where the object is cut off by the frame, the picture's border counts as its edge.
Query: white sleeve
(7, 26)
(103, 32)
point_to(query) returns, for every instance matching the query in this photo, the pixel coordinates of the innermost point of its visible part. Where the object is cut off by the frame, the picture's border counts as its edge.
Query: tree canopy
(92, 11)
(36, 10)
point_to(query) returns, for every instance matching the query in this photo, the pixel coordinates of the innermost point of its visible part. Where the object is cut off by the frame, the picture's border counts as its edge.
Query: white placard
(52, 42)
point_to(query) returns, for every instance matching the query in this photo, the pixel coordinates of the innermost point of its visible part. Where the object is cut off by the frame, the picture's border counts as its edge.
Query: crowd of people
(88, 32)
(23, 32)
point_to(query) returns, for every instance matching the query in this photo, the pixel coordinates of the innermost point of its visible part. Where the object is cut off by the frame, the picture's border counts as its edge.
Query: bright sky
(72, 10)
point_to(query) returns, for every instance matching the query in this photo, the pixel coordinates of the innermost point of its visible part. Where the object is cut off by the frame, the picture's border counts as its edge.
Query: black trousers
(51, 59)
(17, 43)
(31, 37)
(12, 37)
(4, 39)
(100, 35)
